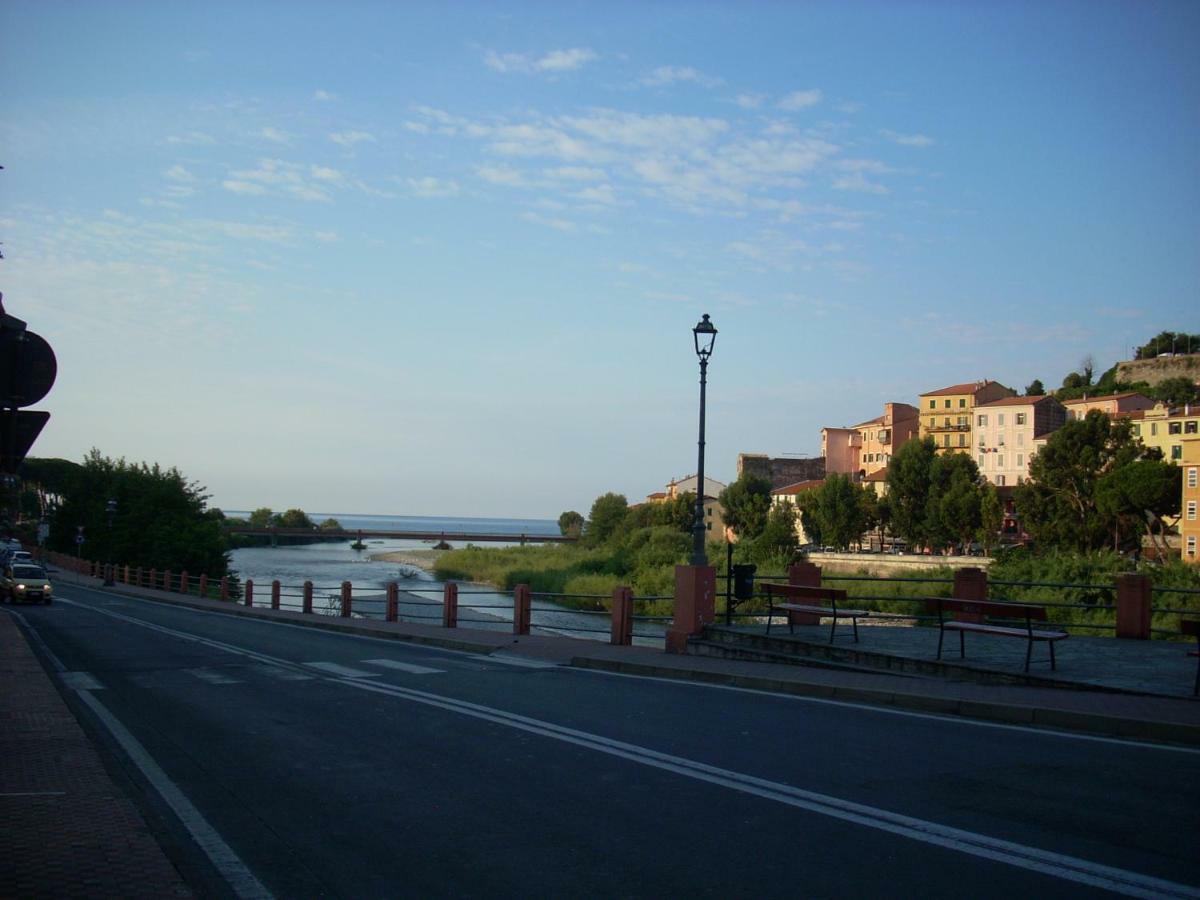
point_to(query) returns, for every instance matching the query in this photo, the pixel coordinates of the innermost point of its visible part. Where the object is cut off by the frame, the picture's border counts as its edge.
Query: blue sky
(444, 259)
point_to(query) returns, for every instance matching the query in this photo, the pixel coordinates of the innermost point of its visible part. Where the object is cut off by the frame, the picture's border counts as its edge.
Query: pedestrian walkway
(68, 830)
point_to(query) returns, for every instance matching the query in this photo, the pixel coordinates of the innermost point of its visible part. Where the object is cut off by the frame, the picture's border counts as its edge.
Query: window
(962, 440)
(1020, 418)
(946, 440)
(1000, 440)
(1193, 474)
(964, 421)
(1191, 545)
(982, 460)
(1000, 480)
(1137, 430)
(1191, 511)
(933, 404)
(947, 404)
(1000, 461)
(981, 421)
(946, 421)
(1153, 428)
(1020, 439)
(1176, 451)
(1000, 419)
(1020, 460)
(1174, 428)
(962, 404)
(1190, 427)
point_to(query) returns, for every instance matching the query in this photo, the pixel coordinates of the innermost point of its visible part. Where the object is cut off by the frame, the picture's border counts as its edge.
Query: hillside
(1155, 371)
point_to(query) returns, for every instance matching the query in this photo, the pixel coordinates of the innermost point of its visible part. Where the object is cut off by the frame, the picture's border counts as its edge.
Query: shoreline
(421, 559)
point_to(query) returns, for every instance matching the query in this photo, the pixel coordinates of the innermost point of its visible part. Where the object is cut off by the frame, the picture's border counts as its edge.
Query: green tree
(331, 524)
(160, 521)
(1058, 504)
(570, 523)
(608, 515)
(293, 518)
(1169, 342)
(1176, 391)
(955, 497)
(908, 480)
(263, 517)
(838, 508)
(746, 504)
(1140, 495)
(1035, 388)
(991, 518)
(778, 542)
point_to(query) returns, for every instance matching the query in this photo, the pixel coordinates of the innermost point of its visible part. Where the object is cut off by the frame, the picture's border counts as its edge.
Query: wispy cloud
(303, 182)
(196, 138)
(559, 224)
(502, 175)
(180, 174)
(324, 96)
(665, 75)
(350, 138)
(908, 140)
(800, 100)
(750, 101)
(553, 62)
(432, 187)
(275, 135)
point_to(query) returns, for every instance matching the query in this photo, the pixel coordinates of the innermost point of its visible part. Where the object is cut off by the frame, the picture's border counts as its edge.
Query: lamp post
(110, 509)
(705, 336)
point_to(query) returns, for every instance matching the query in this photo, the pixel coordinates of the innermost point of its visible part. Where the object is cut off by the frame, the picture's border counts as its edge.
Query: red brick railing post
(224, 588)
(184, 586)
(346, 593)
(393, 601)
(622, 617)
(153, 578)
(166, 580)
(203, 585)
(308, 592)
(126, 578)
(450, 606)
(804, 574)
(522, 604)
(1133, 607)
(970, 584)
(695, 604)
(275, 590)
(249, 592)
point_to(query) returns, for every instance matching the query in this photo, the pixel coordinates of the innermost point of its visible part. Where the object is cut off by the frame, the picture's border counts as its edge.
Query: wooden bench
(972, 614)
(791, 600)
(1192, 626)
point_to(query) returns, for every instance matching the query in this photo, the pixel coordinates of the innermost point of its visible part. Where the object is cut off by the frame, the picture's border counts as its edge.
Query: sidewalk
(68, 829)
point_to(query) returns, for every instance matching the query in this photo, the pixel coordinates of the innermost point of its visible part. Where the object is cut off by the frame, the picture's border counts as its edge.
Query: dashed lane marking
(410, 668)
(341, 671)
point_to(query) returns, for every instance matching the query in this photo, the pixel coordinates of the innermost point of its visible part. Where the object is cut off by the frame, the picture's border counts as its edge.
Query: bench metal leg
(962, 645)
(1029, 653)
(768, 622)
(832, 627)
(941, 636)
(1052, 666)
(854, 622)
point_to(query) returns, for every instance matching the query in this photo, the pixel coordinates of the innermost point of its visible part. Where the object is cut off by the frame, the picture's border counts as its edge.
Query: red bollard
(126, 578)
(346, 590)
(203, 584)
(522, 599)
(308, 592)
(184, 586)
(167, 580)
(153, 578)
(274, 595)
(450, 606)
(249, 592)
(393, 602)
(622, 617)
(225, 589)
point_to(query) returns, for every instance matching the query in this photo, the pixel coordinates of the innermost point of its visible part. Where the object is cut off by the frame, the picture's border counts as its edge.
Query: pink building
(1009, 432)
(840, 447)
(1113, 405)
(868, 447)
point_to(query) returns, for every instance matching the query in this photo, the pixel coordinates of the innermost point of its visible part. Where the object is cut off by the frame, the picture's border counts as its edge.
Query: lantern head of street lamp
(111, 508)
(705, 335)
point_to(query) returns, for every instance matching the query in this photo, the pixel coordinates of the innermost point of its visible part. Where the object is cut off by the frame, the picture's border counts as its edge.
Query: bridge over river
(364, 534)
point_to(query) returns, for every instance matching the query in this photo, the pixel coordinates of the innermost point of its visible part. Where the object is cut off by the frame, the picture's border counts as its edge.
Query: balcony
(937, 429)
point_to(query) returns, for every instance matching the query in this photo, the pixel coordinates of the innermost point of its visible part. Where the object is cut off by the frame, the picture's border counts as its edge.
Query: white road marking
(525, 662)
(402, 667)
(1057, 865)
(80, 681)
(283, 674)
(341, 671)
(228, 863)
(212, 676)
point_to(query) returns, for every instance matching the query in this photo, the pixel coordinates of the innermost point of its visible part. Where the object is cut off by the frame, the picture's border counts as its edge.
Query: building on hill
(781, 471)
(1189, 519)
(714, 515)
(866, 448)
(1167, 429)
(947, 413)
(1007, 433)
(1112, 405)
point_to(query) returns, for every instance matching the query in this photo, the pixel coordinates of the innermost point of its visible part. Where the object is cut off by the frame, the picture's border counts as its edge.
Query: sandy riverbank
(422, 559)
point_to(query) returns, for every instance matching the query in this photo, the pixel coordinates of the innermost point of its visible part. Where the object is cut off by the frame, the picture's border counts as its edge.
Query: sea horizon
(384, 522)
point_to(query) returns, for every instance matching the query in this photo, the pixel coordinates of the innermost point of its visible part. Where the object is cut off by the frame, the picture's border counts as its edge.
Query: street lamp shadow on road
(695, 584)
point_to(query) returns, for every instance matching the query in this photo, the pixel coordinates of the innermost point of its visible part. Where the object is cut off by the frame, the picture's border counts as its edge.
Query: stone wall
(781, 471)
(1155, 371)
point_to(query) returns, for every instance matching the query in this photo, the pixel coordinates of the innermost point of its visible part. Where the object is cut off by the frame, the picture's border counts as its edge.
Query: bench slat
(1007, 631)
(822, 610)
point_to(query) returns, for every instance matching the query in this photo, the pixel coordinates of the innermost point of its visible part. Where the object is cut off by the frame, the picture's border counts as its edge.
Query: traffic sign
(27, 368)
(18, 430)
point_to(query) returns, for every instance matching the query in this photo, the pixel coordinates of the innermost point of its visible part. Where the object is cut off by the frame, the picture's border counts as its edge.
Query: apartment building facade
(1189, 520)
(866, 448)
(1112, 405)
(1008, 433)
(1167, 429)
(947, 414)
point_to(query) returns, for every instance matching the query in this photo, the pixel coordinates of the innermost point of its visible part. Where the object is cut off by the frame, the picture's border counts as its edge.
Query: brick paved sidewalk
(67, 828)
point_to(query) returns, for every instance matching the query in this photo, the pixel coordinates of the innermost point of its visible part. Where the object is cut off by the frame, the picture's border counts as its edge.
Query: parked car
(25, 582)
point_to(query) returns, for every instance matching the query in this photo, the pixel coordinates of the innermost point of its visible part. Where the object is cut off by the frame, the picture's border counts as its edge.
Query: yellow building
(1189, 519)
(947, 414)
(1167, 429)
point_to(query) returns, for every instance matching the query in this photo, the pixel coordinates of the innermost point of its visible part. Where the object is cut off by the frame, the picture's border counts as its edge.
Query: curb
(991, 711)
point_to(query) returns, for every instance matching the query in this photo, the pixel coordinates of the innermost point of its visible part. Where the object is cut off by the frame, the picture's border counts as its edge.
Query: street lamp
(705, 336)
(110, 509)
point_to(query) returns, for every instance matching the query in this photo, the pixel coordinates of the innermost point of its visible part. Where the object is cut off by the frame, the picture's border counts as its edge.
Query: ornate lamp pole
(705, 336)
(110, 509)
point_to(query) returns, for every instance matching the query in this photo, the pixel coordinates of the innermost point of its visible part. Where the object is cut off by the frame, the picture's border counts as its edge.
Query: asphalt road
(296, 762)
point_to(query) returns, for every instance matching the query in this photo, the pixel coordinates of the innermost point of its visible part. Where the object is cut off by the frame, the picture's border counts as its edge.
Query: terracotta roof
(1015, 401)
(878, 420)
(878, 475)
(1104, 397)
(657, 495)
(798, 487)
(969, 388)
